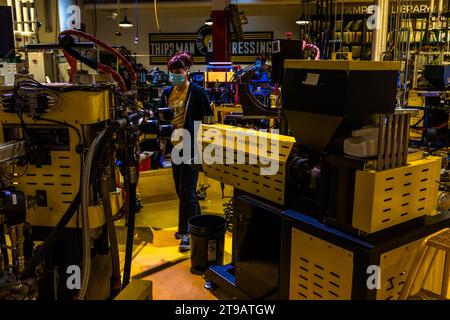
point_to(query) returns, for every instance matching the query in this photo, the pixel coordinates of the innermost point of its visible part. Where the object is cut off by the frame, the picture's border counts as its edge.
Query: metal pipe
(395, 28)
(381, 142)
(395, 125)
(430, 25)
(26, 25)
(380, 31)
(387, 152)
(33, 19)
(194, 4)
(447, 38)
(85, 183)
(18, 8)
(406, 139)
(401, 147)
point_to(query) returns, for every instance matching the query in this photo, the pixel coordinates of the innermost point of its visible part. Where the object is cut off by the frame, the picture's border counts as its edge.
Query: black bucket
(207, 242)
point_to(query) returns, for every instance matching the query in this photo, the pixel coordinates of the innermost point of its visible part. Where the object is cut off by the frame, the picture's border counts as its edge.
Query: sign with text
(364, 8)
(162, 46)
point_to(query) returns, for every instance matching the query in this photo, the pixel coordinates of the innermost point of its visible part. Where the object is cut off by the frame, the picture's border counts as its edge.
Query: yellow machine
(229, 141)
(384, 208)
(321, 269)
(60, 188)
(330, 275)
(338, 218)
(409, 191)
(69, 168)
(58, 180)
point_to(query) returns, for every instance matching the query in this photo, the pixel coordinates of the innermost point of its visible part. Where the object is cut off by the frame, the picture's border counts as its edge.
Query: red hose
(101, 67)
(72, 63)
(116, 76)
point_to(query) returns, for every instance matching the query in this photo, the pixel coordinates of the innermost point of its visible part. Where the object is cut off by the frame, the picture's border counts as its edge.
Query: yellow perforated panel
(245, 173)
(319, 269)
(61, 179)
(386, 198)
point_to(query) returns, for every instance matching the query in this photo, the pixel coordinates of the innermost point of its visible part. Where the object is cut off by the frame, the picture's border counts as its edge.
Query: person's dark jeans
(185, 178)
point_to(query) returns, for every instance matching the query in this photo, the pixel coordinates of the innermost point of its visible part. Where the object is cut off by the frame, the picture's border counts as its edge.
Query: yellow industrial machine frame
(327, 263)
(387, 198)
(61, 179)
(410, 191)
(319, 269)
(247, 176)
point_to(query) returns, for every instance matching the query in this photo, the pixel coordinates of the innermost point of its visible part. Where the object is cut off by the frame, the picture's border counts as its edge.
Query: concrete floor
(155, 256)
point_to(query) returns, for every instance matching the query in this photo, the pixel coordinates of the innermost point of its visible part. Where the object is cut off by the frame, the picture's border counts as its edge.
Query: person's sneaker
(178, 235)
(185, 244)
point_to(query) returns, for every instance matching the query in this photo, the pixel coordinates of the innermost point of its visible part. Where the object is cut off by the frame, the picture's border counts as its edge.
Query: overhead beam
(191, 4)
(221, 37)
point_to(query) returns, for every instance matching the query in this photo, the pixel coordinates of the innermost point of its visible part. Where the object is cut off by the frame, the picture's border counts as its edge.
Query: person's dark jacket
(197, 107)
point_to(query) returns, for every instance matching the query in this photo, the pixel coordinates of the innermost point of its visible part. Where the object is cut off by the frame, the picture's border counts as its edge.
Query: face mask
(177, 79)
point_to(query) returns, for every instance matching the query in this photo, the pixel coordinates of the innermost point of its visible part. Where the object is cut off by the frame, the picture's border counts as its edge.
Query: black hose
(113, 243)
(39, 255)
(130, 233)
(67, 43)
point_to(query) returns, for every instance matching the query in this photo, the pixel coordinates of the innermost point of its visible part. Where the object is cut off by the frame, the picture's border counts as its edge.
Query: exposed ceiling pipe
(155, 6)
(195, 4)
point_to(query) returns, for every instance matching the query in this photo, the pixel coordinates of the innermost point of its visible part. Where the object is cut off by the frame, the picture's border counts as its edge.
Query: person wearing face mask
(189, 103)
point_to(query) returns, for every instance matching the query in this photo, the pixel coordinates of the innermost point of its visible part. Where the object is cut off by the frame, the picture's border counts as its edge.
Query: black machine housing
(321, 122)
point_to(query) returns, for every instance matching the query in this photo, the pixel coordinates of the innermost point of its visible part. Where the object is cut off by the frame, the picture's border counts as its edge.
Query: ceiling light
(125, 23)
(302, 22)
(209, 22)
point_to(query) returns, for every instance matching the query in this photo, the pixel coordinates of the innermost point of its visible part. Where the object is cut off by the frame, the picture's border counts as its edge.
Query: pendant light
(209, 22)
(303, 20)
(125, 23)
